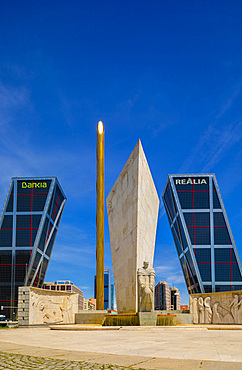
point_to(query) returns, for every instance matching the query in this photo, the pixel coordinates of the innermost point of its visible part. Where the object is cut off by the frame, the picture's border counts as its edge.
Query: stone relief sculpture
(53, 316)
(195, 311)
(66, 309)
(207, 311)
(220, 308)
(46, 308)
(235, 307)
(217, 316)
(227, 317)
(146, 284)
(200, 311)
(239, 306)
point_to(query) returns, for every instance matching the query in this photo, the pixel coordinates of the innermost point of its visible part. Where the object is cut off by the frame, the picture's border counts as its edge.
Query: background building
(89, 304)
(66, 286)
(162, 296)
(28, 226)
(175, 299)
(108, 290)
(167, 298)
(202, 234)
(112, 297)
(184, 307)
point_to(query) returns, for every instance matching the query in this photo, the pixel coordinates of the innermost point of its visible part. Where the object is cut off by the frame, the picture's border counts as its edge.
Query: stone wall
(217, 308)
(173, 317)
(123, 319)
(40, 306)
(155, 318)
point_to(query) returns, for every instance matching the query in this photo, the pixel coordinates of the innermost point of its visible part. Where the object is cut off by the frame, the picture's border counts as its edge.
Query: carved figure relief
(217, 316)
(200, 311)
(66, 309)
(239, 306)
(46, 308)
(146, 284)
(207, 311)
(227, 317)
(224, 308)
(194, 310)
(234, 306)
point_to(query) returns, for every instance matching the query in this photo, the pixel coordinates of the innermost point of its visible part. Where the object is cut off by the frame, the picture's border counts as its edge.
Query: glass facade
(202, 235)
(28, 227)
(108, 290)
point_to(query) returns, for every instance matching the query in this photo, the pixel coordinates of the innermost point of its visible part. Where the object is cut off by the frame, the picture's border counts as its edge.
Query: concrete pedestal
(91, 317)
(122, 320)
(147, 318)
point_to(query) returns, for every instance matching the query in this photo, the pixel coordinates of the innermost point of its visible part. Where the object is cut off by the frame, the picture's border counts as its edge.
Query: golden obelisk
(100, 219)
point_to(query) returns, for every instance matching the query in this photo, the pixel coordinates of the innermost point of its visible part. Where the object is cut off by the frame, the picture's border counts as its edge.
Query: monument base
(132, 319)
(91, 317)
(154, 318)
(173, 318)
(123, 319)
(147, 318)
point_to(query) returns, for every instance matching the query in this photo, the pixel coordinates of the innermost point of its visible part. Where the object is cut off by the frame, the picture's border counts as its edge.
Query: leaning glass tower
(202, 234)
(28, 227)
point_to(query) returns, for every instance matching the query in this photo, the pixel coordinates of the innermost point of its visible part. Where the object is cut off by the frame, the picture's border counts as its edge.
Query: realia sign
(190, 181)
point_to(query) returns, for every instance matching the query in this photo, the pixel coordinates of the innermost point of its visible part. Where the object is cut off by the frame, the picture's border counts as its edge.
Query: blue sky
(167, 72)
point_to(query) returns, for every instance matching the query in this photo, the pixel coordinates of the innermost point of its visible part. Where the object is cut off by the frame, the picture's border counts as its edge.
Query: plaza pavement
(190, 347)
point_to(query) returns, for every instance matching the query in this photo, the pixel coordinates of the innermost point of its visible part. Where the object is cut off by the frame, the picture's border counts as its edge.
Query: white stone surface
(217, 308)
(132, 206)
(41, 306)
(161, 343)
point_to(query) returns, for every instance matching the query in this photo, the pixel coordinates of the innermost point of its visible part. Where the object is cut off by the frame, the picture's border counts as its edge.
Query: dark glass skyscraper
(28, 227)
(202, 235)
(108, 290)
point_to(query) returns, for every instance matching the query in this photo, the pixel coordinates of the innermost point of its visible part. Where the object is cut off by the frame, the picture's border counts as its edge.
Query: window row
(169, 201)
(193, 195)
(28, 203)
(225, 272)
(227, 288)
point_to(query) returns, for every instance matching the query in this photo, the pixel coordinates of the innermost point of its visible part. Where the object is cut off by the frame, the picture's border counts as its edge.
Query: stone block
(90, 317)
(173, 317)
(147, 318)
(122, 320)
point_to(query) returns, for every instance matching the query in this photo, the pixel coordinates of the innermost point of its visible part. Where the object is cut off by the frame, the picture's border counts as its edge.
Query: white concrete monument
(132, 206)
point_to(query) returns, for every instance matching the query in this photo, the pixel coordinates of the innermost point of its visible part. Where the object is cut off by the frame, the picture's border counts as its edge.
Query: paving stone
(160, 348)
(16, 361)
